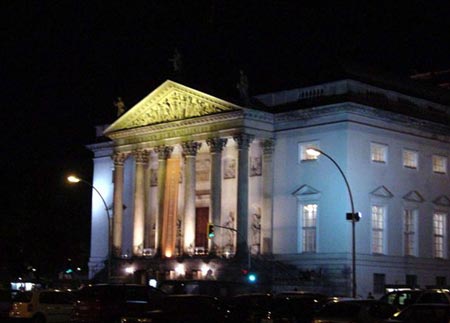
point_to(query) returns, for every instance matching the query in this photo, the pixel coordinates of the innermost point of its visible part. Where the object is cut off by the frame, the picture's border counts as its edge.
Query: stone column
(267, 210)
(190, 149)
(141, 158)
(118, 159)
(243, 141)
(215, 147)
(164, 153)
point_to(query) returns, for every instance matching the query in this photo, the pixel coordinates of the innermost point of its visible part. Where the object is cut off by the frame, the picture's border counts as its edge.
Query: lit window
(304, 147)
(377, 228)
(410, 159)
(309, 222)
(439, 164)
(378, 152)
(409, 232)
(439, 232)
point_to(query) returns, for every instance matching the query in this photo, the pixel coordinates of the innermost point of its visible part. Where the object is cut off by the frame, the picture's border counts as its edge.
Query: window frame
(304, 246)
(378, 232)
(410, 163)
(410, 247)
(374, 154)
(303, 146)
(439, 238)
(434, 166)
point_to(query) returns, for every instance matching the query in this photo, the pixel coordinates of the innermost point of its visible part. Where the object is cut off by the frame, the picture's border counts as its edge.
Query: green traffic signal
(252, 278)
(210, 231)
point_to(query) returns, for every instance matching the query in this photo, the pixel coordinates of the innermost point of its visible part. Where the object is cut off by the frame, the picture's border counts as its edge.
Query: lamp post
(75, 179)
(353, 217)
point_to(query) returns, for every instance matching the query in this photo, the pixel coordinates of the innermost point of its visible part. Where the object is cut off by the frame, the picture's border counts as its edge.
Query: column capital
(243, 140)
(119, 158)
(216, 144)
(141, 156)
(163, 151)
(268, 146)
(190, 148)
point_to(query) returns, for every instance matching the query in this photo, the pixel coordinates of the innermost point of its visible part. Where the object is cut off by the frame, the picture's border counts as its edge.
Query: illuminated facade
(181, 159)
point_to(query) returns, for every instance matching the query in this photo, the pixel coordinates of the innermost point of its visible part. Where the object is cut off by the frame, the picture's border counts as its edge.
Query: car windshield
(23, 297)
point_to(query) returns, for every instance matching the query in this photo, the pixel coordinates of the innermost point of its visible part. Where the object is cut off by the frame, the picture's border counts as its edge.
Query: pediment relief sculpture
(170, 102)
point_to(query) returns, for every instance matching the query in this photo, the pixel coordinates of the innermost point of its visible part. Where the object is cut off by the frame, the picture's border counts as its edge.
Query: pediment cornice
(170, 102)
(382, 191)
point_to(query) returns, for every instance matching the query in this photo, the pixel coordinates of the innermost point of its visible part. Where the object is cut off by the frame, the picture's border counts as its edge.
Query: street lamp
(75, 179)
(353, 217)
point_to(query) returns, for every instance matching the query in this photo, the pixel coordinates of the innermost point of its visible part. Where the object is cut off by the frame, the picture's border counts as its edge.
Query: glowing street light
(75, 179)
(353, 216)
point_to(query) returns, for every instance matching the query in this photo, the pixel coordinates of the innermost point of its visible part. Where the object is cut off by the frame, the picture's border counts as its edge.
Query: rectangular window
(410, 159)
(409, 226)
(411, 281)
(378, 153)
(441, 281)
(379, 282)
(303, 147)
(377, 228)
(309, 222)
(439, 164)
(439, 233)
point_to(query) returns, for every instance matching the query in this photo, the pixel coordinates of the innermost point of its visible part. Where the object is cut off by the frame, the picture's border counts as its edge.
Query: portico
(181, 159)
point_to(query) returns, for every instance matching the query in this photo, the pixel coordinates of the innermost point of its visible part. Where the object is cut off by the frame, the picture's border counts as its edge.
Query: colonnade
(167, 201)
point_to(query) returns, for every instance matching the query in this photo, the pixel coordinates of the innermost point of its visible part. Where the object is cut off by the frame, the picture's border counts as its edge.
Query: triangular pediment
(442, 201)
(382, 191)
(414, 196)
(171, 101)
(306, 192)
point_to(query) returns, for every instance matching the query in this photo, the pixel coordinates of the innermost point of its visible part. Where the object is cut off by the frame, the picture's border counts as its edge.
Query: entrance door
(201, 222)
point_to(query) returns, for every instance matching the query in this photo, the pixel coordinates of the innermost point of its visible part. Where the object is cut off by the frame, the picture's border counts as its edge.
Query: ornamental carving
(119, 158)
(171, 102)
(190, 148)
(163, 152)
(243, 140)
(216, 144)
(141, 156)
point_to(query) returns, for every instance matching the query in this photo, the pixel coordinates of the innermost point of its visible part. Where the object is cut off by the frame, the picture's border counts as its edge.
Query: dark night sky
(64, 62)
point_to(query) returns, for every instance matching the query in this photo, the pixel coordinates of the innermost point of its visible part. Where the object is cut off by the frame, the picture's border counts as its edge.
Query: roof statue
(176, 61)
(120, 105)
(242, 86)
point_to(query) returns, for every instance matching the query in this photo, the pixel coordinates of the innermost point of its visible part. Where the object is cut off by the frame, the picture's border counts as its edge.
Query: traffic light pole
(249, 258)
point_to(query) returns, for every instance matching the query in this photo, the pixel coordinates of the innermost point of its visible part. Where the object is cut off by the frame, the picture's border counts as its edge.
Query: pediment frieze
(170, 102)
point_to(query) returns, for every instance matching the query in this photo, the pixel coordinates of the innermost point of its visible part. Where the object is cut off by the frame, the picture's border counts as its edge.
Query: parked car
(354, 311)
(42, 306)
(216, 288)
(5, 303)
(186, 308)
(437, 296)
(420, 313)
(302, 304)
(108, 303)
(402, 298)
(259, 308)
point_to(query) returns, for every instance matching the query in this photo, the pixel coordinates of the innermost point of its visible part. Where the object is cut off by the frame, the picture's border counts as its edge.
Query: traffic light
(210, 231)
(252, 277)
